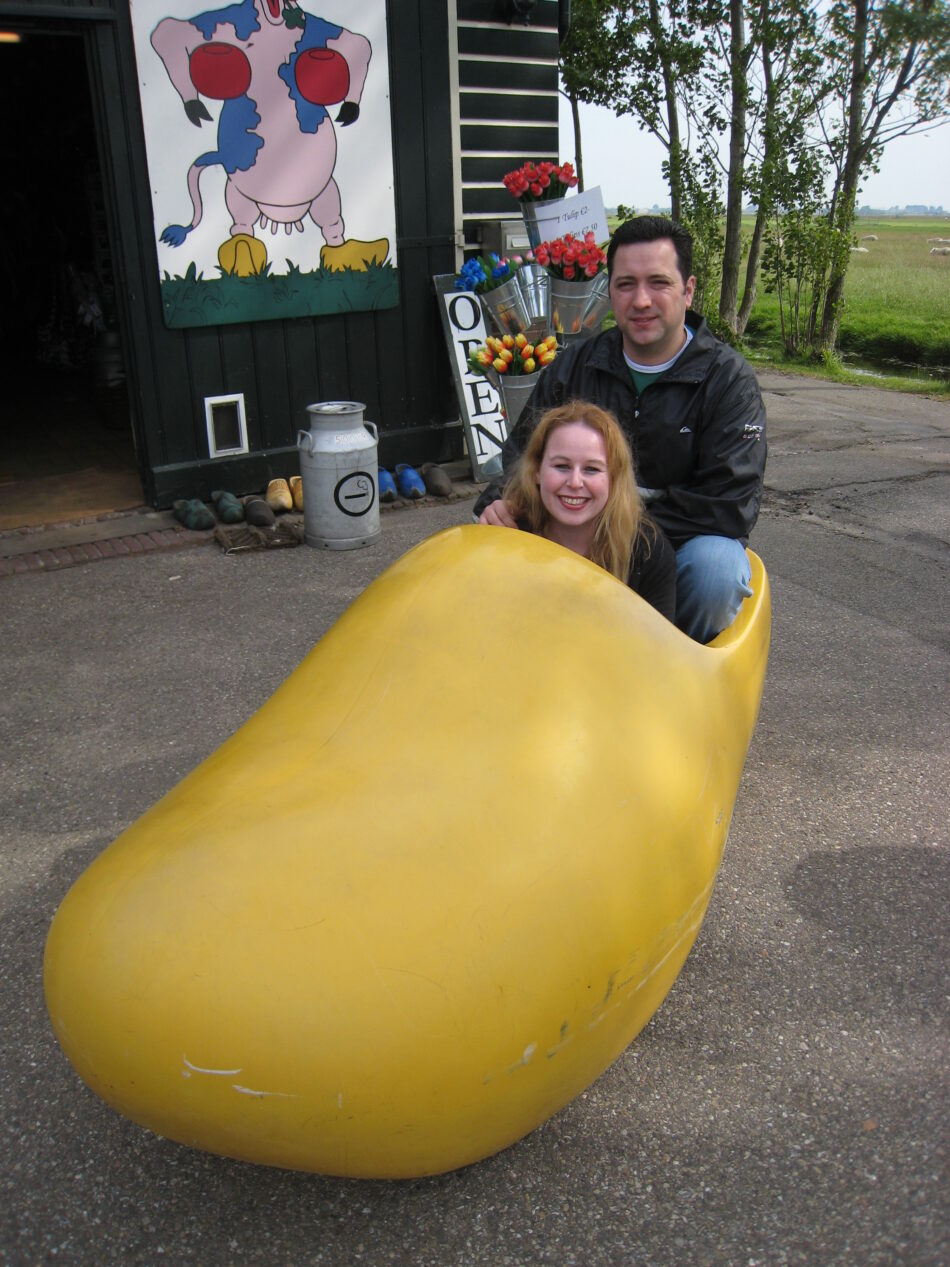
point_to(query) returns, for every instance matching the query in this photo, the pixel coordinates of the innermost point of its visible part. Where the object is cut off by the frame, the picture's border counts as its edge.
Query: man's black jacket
(697, 432)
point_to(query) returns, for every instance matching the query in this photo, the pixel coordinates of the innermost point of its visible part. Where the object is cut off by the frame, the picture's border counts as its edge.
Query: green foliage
(808, 93)
(637, 59)
(703, 214)
(888, 75)
(798, 248)
(192, 300)
(895, 312)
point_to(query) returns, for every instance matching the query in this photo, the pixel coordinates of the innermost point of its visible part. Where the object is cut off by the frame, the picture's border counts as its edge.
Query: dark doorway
(66, 448)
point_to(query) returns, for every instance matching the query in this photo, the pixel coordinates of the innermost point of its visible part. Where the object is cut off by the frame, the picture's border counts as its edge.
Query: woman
(574, 484)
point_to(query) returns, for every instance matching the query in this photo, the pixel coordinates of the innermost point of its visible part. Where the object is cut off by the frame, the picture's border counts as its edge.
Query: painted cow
(276, 69)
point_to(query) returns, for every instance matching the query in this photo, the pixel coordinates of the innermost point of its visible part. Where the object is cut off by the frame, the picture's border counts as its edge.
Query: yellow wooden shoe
(379, 934)
(278, 496)
(296, 491)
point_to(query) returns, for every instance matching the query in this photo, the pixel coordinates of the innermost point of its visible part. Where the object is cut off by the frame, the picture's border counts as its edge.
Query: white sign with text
(577, 214)
(486, 427)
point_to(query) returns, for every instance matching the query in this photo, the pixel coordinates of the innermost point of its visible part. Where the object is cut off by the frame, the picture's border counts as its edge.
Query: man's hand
(498, 515)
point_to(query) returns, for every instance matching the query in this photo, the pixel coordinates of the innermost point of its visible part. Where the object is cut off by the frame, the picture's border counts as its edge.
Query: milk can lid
(336, 407)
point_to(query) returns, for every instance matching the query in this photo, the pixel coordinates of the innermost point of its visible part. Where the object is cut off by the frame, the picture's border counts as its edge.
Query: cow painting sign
(267, 130)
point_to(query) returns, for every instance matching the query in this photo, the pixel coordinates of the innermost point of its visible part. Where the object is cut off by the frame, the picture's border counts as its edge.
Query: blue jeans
(712, 579)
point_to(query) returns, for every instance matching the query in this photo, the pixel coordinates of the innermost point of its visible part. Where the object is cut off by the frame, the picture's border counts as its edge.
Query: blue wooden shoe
(387, 486)
(409, 482)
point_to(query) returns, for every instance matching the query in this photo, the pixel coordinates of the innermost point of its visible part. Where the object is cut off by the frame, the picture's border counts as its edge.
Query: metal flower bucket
(535, 284)
(514, 393)
(505, 308)
(578, 308)
(529, 213)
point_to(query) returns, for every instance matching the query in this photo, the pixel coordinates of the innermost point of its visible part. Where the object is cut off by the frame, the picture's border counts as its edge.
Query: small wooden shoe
(296, 491)
(227, 506)
(387, 485)
(193, 514)
(258, 513)
(409, 483)
(278, 496)
(437, 481)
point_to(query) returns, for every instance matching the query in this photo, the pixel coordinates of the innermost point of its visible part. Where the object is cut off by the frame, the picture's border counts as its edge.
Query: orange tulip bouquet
(512, 355)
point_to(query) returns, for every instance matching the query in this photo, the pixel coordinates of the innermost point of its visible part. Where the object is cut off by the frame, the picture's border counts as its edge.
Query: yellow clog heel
(274, 965)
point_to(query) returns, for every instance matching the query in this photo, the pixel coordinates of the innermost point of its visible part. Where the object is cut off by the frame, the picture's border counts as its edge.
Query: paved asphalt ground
(788, 1103)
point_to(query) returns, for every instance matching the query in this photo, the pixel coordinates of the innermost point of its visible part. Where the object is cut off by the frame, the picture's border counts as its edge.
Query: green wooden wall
(394, 360)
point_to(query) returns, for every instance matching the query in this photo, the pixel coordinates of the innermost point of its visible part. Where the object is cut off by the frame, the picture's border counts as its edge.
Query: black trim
(563, 19)
(538, 76)
(511, 108)
(47, 12)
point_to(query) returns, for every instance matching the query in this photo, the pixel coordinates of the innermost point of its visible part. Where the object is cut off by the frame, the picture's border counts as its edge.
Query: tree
(790, 66)
(611, 57)
(586, 45)
(704, 51)
(891, 77)
(783, 80)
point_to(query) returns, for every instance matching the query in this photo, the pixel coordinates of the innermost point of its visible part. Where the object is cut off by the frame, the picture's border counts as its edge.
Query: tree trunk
(766, 179)
(854, 157)
(578, 152)
(751, 272)
(732, 251)
(672, 113)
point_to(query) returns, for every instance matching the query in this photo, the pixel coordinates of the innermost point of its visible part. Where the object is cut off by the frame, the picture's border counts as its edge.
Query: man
(690, 407)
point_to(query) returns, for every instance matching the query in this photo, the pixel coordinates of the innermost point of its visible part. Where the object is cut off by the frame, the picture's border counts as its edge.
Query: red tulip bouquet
(540, 182)
(572, 259)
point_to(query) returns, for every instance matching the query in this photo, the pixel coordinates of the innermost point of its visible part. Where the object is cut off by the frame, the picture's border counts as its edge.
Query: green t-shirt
(642, 379)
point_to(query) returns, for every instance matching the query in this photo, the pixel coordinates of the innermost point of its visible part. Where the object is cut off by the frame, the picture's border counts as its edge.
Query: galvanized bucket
(514, 393)
(529, 213)
(505, 308)
(578, 308)
(535, 284)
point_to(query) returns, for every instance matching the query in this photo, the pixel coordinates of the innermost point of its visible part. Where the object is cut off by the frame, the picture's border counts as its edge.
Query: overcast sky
(626, 164)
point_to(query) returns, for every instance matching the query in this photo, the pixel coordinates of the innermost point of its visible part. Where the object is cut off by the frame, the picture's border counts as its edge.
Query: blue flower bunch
(482, 274)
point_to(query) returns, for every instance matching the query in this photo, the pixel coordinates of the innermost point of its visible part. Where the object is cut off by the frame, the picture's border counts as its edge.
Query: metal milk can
(338, 466)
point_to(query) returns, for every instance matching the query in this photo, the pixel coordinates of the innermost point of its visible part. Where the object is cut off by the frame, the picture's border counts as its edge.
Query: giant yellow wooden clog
(433, 887)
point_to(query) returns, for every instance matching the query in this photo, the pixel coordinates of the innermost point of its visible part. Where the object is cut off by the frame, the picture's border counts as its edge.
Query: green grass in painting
(195, 300)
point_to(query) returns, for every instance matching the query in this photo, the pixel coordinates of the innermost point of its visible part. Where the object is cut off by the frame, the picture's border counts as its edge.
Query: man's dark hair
(652, 229)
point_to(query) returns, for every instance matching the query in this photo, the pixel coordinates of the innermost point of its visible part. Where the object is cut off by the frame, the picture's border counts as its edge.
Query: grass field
(897, 300)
